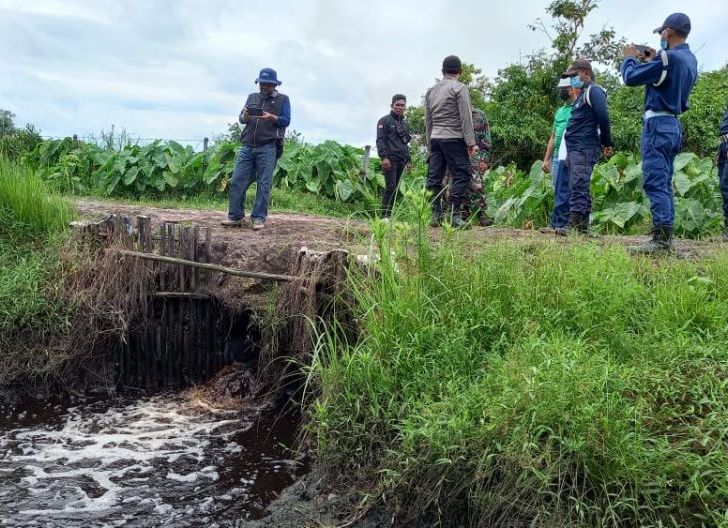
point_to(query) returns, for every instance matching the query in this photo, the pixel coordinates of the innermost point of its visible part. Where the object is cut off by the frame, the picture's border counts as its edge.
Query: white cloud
(181, 69)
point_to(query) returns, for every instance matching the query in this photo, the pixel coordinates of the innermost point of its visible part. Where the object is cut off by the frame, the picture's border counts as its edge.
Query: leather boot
(660, 244)
(436, 218)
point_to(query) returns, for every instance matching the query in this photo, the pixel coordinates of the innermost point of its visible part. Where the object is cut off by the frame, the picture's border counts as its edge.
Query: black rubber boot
(436, 219)
(485, 221)
(578, 225)
(454, 217)
(660, 244)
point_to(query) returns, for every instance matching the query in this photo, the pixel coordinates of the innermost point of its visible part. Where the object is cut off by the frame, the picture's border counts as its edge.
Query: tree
(7, 124)
(565, 29)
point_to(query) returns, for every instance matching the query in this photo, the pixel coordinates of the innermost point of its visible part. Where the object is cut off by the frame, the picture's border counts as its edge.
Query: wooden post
(144, 230)
(204, 143)
(75, 140)
(365, 160)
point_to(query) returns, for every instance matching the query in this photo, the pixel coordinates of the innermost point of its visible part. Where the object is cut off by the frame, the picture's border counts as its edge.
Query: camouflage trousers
(476, 202)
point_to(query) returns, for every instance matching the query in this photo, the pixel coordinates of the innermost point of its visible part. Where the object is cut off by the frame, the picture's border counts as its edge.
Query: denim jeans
(253, 164)
(560, 215)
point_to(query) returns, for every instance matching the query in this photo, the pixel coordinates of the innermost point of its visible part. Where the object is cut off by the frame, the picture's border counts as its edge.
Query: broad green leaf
(130, 175)
(681, 183)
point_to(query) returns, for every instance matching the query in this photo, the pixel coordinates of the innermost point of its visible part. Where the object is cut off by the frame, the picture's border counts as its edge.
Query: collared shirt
(561, 119)
(668, 93)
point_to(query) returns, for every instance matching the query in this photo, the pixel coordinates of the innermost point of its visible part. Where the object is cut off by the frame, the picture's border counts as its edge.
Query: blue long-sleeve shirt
(670, 95)
(589, 125)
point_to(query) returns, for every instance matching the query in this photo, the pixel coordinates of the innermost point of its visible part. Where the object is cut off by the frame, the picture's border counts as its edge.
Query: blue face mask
(663, 44)
(576, 82)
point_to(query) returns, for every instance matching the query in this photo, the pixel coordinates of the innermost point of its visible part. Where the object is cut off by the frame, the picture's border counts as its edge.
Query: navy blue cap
(268, 76)
(677, 21)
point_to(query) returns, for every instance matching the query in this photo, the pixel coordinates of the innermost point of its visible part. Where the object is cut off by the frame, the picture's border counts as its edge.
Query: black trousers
(391, 184)
(452, 154)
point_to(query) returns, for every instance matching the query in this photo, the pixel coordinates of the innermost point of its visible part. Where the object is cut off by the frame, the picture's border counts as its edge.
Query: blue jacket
(258, 132)
(588, 126)
(668, 78)
(724, 124)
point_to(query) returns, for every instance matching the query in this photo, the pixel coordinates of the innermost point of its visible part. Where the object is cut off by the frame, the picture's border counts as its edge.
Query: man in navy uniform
(723, 170)
(669, 76)
(587, 136)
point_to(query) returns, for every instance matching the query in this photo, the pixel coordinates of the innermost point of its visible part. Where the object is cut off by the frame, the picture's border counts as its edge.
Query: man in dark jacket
(587, 136)
(266, 115)
(392, 146)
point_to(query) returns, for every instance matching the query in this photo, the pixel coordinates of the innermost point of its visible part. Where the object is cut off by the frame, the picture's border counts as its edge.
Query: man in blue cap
(668, 76)
(266, 115)
(587, 136)
(723, 170)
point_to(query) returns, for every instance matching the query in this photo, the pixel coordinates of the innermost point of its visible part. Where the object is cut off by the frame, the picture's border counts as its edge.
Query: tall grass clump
(32, 225)
(26, 207)
(553, 384)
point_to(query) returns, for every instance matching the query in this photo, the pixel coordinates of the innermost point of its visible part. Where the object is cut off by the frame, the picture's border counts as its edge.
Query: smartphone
(255, 111)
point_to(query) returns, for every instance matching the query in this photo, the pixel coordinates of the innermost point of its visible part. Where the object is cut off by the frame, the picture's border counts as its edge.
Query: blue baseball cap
(268, 76)
(677, 21)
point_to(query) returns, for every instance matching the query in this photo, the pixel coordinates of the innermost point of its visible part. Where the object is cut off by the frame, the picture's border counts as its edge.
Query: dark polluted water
(165, 460)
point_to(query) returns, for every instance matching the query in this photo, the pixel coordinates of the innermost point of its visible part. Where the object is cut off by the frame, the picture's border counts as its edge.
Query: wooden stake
(211, 267)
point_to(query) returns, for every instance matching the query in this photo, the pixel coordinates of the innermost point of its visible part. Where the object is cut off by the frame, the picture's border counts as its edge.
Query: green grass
(563, 384)
(26, 208)
(33, 223)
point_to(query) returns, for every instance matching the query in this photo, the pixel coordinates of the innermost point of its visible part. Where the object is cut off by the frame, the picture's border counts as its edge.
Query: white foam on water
(116, 460)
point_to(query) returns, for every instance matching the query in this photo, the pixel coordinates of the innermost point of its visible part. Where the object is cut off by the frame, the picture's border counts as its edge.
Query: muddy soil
(269, 249)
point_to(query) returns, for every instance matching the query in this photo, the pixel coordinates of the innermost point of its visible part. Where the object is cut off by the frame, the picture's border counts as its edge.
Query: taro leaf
(633, 172)
(159, 184)
(170, 179)
(682, 183)
(611, 176)
(176, 147)
(113, 183)
(691, 213)
(621, 213)
(141, 186)
(172, 163)
(130, 175)
(313, 184)
(344, 190)
(683, 160)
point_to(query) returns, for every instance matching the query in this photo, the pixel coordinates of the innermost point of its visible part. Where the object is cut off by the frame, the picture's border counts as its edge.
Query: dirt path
(270, 249)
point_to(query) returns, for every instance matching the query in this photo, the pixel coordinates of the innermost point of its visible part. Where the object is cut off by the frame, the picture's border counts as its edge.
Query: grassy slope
(569, 384)
(32, 226)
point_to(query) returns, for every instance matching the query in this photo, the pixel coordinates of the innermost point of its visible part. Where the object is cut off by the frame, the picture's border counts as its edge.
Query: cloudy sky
(181, 69)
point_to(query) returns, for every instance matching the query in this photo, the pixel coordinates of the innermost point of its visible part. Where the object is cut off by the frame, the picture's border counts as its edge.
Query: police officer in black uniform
(668, 76)
(393, 138)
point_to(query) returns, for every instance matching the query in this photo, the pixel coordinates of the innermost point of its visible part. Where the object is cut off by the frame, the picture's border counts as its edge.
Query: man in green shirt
(553, 161)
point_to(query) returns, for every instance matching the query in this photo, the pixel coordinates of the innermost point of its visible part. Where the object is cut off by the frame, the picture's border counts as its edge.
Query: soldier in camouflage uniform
(476, 202)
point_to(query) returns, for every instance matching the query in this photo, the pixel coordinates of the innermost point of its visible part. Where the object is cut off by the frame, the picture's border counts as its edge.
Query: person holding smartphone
(266, 115)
